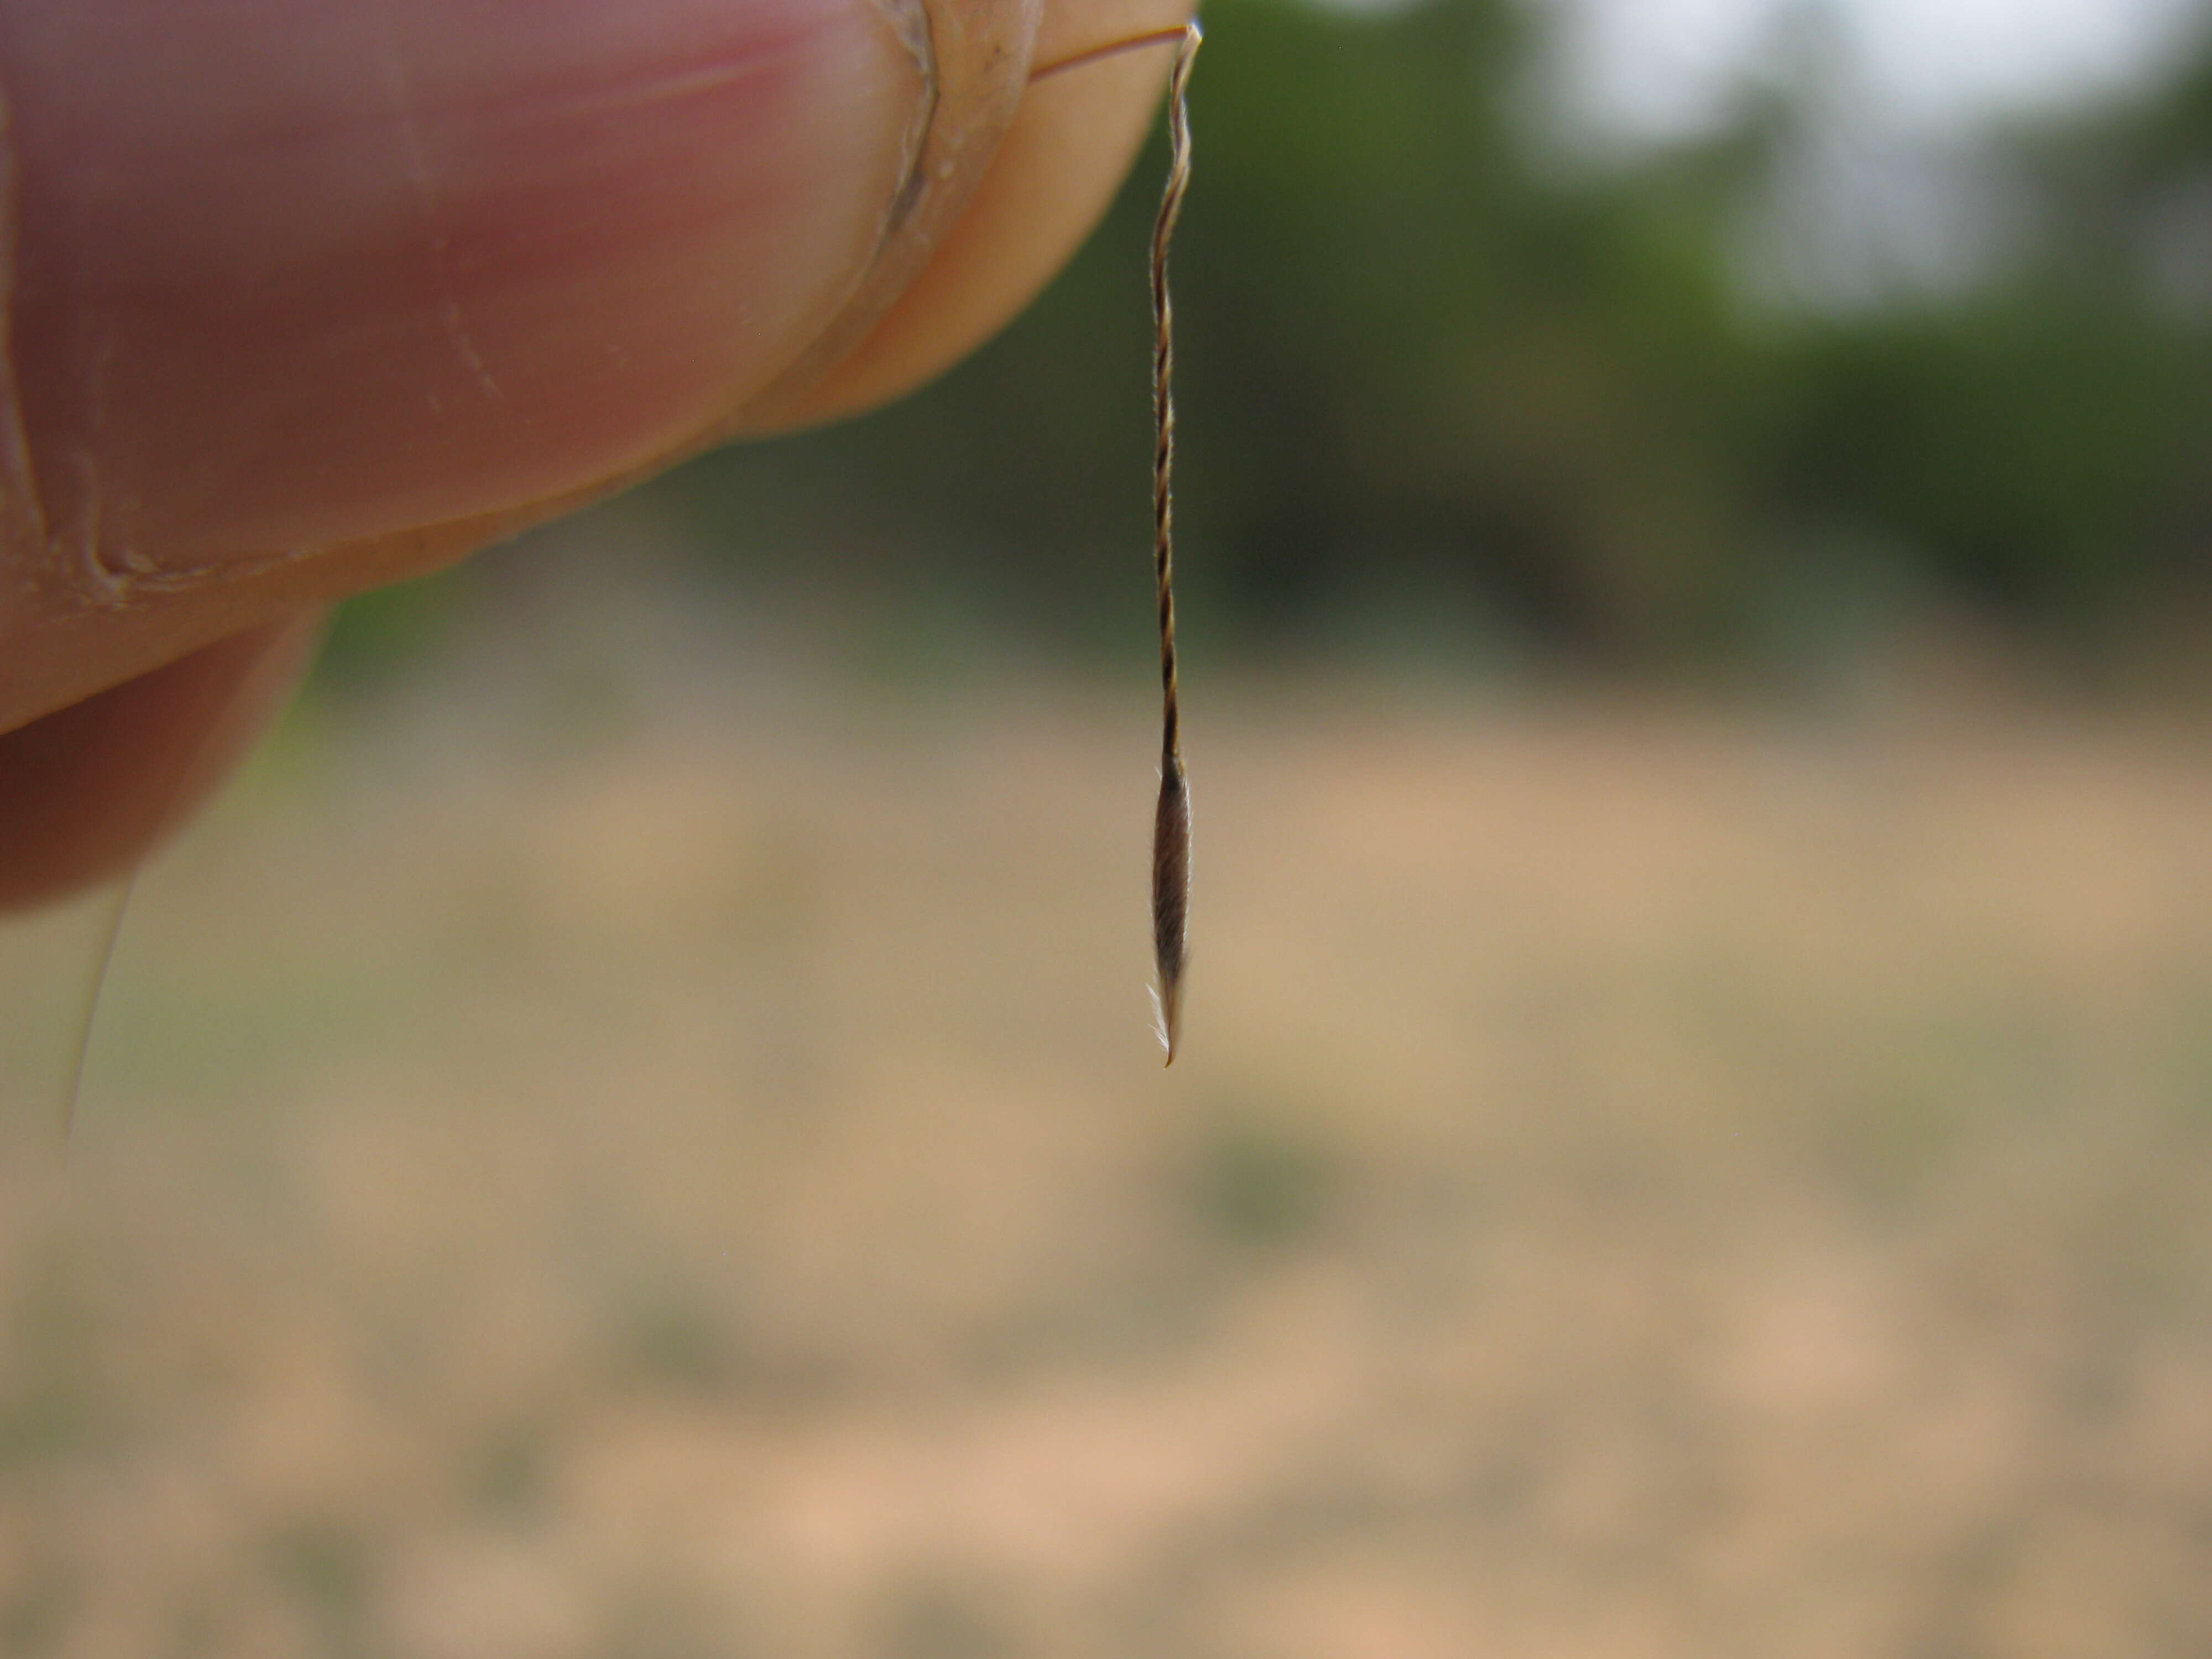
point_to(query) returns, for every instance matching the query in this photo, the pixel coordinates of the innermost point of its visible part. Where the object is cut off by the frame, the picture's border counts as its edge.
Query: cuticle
(910, 22)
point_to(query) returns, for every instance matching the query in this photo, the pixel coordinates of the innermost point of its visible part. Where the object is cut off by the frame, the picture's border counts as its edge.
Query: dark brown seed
(1171, 898)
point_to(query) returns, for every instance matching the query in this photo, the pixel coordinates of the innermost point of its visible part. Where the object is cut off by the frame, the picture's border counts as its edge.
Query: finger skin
(298, 286)
(308, 296)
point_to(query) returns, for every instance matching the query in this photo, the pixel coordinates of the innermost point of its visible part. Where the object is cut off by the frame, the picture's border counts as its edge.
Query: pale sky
(1656, 67)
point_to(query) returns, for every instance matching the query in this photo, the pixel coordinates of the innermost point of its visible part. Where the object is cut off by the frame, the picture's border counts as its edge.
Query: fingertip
(1055, 173)
(90, 789)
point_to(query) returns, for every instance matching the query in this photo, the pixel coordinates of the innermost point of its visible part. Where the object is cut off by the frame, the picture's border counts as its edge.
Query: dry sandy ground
(640, 1167)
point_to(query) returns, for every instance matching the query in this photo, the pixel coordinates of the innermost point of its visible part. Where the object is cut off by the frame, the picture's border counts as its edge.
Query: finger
(85, 792)
(307, 294)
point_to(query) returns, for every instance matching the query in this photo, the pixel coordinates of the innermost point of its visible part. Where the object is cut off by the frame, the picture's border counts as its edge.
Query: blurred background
(632, 1130)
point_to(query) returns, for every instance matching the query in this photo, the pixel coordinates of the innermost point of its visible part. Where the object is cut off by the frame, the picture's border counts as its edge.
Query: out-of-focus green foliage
(1436, 375)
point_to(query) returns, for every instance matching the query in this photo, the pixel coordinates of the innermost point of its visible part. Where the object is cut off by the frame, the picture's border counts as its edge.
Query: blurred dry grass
(582, 1162)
